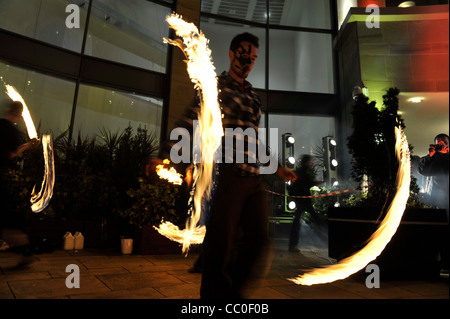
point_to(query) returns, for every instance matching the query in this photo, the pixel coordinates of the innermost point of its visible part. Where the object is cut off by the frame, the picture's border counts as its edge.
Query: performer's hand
(286, 174)
(151, 165)
(431, 150)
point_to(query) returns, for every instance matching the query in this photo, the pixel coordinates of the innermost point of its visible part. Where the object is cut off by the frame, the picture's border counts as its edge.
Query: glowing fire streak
(40, 200)
(15, 96)
(170, 174)
(202, 73)
(381, 237)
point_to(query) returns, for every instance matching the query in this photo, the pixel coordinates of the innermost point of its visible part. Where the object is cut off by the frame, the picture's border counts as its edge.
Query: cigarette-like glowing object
(170, 174)
(381, 237)
(202, 73)
(40, 200)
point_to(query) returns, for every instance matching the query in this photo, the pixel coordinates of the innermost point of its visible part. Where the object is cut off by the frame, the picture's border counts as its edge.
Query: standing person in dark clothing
(237, 230)
(436, 165)
(11, 224)
(301, 187)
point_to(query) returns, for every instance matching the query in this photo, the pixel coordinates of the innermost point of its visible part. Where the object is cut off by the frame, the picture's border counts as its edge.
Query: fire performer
(236, 236)
(12, 225)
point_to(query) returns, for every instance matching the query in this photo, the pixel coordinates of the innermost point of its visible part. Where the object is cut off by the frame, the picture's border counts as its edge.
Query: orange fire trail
(40, 200)
(202, 73)
(381, 237)
(170, 174)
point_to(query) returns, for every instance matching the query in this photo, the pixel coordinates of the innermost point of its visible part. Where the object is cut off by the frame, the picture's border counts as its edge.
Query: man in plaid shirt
(237, 230)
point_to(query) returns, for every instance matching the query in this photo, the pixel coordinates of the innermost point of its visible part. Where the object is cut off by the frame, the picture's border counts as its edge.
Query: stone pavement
(107, 274)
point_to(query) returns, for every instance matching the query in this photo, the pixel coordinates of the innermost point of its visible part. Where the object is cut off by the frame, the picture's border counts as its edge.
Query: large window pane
(101, 108)
(220, 33)
(129, 32)
(243, 9)
(300, 13)
(307, 131)
(49, 99)
(300, 61)
(44, 20)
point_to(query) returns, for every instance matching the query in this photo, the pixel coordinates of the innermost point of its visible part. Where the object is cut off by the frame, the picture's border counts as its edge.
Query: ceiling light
(407, 4)
(416, 99)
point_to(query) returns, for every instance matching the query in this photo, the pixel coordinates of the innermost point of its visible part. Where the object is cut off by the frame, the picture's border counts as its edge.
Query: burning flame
(381, 237)
(15, 96)
(40, 200)
(202, 73)
(170, 174)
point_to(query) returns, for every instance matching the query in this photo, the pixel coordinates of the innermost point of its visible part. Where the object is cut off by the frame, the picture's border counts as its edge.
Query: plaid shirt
(241, 110)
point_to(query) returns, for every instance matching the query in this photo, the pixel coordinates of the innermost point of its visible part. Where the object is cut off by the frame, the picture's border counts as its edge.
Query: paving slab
(138, 280)
(54, 288)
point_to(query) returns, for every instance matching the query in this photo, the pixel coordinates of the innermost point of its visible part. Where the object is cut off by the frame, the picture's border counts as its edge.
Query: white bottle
(78, 241)
(68, 241)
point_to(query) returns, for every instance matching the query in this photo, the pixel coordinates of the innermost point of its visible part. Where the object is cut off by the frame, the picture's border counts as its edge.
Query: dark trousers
(237, 235)
(303, 205)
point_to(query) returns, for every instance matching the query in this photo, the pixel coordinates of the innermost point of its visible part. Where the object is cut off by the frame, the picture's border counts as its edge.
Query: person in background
(301, 187)
(12, 225)
(435, 165)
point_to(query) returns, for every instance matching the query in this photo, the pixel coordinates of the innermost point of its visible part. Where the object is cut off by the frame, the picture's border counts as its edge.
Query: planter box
(150, 242)
(413, 251)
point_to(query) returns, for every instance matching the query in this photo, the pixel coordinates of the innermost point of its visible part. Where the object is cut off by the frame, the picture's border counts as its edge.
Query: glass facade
(130, 33)
(300, 61)
(48, 98)
(295, 56)
(101, 109)
(44, 20)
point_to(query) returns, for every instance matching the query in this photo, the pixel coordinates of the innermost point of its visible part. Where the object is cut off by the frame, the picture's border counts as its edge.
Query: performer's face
(243, 59)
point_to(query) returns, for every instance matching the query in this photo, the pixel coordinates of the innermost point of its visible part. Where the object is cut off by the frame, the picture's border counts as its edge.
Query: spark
(381, 237)
(201, 70)
(40, 200)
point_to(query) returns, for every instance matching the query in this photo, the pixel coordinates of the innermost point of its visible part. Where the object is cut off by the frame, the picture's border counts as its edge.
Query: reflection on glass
(100, 108)
(220, 33)
(298, 13)
(44, 20)
(300, 61)
(129, 32)
(250, 10)
(49, 99)
(307, 131)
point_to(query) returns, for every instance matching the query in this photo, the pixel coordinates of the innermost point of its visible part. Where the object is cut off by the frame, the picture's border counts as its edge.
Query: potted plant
(154, 200)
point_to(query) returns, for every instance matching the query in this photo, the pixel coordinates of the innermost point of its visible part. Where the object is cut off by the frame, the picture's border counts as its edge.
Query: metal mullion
(78, 82)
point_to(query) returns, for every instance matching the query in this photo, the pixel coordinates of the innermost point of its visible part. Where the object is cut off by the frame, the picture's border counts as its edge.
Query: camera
(437, 147)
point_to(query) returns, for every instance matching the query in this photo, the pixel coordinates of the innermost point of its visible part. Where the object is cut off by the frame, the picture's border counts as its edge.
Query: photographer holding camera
(435, 165)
